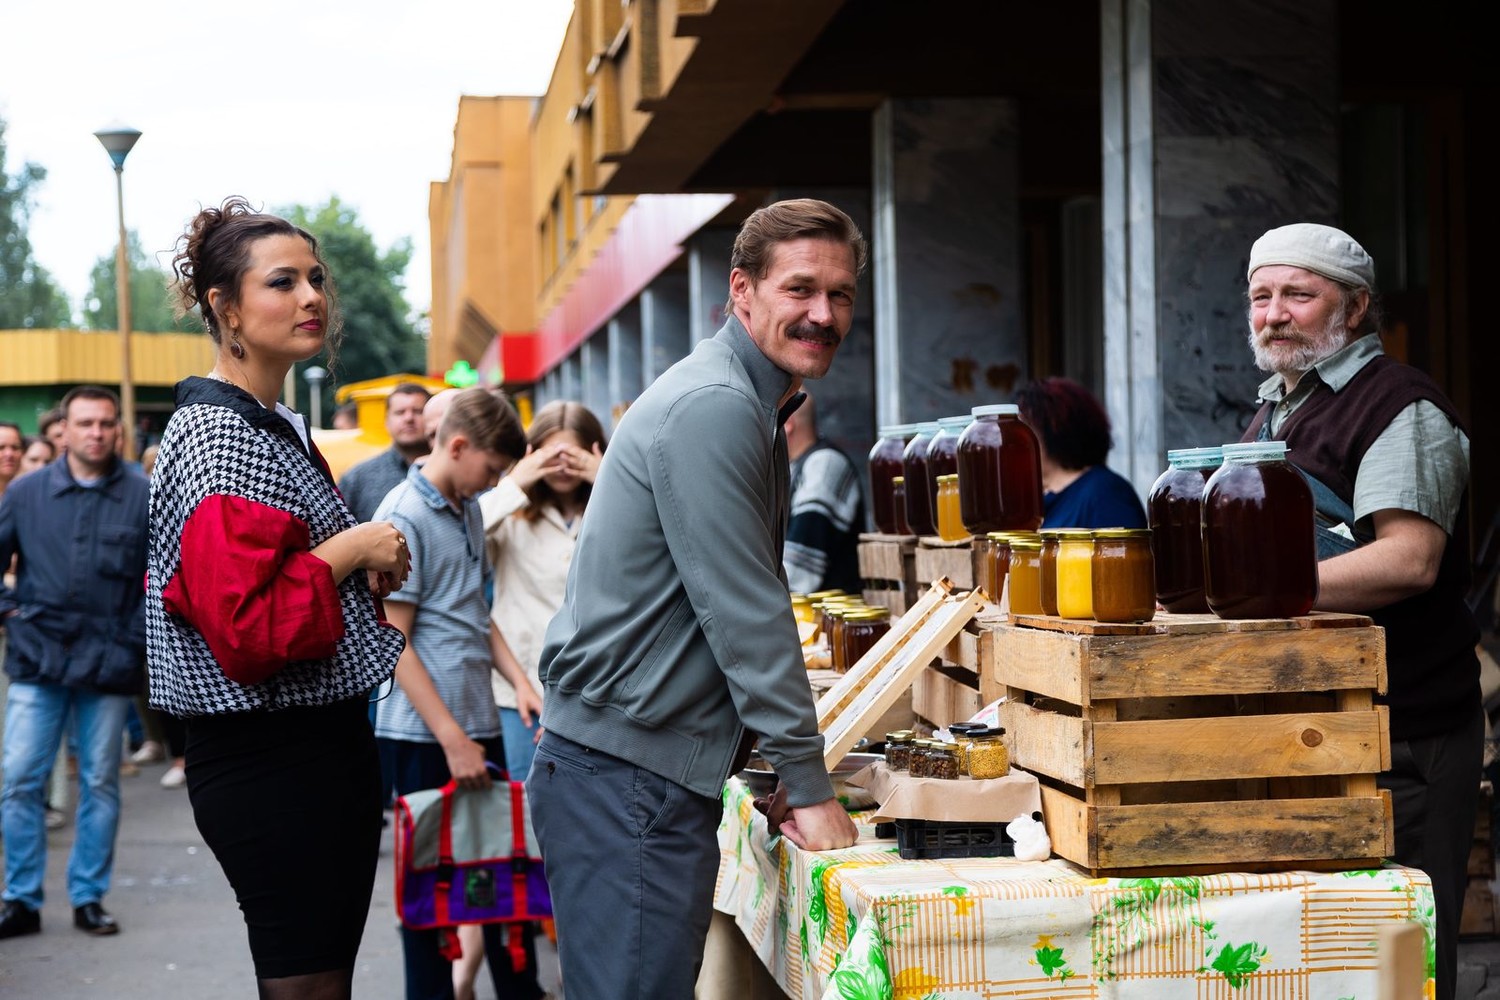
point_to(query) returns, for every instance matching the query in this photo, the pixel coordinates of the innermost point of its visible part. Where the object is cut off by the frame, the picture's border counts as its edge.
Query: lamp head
(118, 141)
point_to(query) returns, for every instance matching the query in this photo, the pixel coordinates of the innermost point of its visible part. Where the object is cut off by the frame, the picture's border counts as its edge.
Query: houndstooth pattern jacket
(237, 501)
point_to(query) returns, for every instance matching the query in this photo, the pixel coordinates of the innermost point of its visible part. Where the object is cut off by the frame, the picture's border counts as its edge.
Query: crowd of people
(607, 620)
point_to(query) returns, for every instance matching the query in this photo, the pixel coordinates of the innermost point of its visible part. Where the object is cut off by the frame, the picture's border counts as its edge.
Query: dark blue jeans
(631, 863)
(429, 976)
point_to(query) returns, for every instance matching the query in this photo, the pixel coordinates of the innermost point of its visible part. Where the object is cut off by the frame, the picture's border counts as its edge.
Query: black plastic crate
(927, 839)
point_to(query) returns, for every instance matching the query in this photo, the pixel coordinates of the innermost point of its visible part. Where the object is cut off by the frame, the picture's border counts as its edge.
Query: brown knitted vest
(1434, 676)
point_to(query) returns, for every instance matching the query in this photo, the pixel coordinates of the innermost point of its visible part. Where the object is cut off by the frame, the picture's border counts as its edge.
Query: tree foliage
(150, 300)
(380, 337)
(29, 298)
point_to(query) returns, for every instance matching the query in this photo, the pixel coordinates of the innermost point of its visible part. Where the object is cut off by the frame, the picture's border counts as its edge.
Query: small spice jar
(1048, 580)
(920, 764)
(960, 744)
(942, 760)
(950, 524)
(1124, 577)
(988, 757)
(898, 749)
(1025, 578)
(1075, 573)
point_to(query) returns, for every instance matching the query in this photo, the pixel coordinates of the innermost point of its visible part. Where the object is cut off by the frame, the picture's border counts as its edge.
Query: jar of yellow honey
(950, 523)
(1075, 573)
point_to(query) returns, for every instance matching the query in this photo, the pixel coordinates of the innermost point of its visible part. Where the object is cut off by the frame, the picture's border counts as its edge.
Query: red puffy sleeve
(247, 582)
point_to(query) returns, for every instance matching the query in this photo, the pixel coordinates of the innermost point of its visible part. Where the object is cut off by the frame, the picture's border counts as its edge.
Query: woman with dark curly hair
(1073, 431)
(265, 631)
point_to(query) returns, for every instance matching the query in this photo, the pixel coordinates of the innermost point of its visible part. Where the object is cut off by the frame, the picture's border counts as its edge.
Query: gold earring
(235, 347)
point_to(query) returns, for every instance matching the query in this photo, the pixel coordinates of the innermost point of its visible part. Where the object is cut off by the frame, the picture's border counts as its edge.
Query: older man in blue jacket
(675, 645)
(77, 643)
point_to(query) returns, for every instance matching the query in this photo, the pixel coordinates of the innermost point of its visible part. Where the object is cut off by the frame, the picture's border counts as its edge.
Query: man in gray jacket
(675, 646)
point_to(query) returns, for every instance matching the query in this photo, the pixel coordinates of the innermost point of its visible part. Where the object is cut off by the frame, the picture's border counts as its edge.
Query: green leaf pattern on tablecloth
(1130, 916)
(864, 973)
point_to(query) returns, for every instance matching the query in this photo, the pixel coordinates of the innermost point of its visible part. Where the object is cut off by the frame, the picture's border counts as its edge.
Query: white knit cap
(1324, 250)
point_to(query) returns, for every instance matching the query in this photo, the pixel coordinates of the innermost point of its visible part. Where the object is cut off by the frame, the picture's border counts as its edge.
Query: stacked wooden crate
(887, 570)
(1193, 744)
(936, 559)
(955, 686)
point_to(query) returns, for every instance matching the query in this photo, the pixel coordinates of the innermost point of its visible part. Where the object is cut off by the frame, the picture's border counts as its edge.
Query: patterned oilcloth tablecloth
(863, 924)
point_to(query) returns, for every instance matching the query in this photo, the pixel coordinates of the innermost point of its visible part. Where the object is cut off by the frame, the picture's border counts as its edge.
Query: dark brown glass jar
(898, 504)
(1260, 556)
(862, 630)
(999, 472)
(1051, 537)
(885, 465)
(1173, 510)
(1124, 580)
(921, 514)
(1025, 577)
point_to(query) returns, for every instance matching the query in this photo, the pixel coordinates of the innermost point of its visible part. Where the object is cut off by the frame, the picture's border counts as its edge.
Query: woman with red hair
(1073, 431)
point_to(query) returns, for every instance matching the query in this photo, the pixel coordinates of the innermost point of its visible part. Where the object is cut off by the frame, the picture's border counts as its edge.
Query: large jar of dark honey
(1173, 508)
(921, 512)
(886, 463)
(999, 472)
(942, 453)
(1260, 555)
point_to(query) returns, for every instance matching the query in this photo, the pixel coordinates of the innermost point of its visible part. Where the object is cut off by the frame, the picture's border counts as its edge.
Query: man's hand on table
(825, 826)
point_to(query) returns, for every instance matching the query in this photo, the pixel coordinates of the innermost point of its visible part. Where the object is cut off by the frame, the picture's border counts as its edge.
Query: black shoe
(91, 918)
(16, 918)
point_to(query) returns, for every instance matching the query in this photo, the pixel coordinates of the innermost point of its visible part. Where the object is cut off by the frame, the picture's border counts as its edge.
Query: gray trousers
(1434, 785)
(631, 862)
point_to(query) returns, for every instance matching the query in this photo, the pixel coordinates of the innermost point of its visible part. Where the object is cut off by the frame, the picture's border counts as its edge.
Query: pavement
(182, 936)
(181, 931)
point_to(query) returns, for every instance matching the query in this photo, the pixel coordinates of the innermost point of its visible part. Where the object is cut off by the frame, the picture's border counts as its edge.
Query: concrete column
(708, 281)
(624, 381)
(570, 378)
(594, 362)
(664, 324)
(949, 330)
(1213, 132)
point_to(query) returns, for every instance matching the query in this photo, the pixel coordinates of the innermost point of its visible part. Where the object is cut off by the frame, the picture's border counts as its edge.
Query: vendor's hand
(528, 704)
(825, 826)
(466, 763)
(774, 808)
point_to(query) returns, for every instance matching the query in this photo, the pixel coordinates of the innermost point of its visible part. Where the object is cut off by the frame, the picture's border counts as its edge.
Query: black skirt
(289, 802)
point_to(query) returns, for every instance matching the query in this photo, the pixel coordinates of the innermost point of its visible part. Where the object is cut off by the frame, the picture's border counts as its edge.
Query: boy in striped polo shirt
(441, 720)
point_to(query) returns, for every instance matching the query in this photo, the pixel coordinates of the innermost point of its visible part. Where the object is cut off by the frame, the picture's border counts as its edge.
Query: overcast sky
(280, 101)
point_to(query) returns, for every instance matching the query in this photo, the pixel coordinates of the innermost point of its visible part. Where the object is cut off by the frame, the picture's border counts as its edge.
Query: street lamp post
(118, 141)
(315, 377)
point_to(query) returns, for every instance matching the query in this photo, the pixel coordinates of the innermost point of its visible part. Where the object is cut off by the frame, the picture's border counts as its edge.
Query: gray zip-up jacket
(676, 634)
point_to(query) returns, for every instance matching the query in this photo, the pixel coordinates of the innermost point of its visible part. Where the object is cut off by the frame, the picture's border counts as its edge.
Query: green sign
(461, 375)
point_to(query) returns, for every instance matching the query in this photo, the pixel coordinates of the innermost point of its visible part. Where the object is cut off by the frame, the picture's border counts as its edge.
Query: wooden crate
(936, 559)
(1191, 744)
(887, 570)
(944, 693)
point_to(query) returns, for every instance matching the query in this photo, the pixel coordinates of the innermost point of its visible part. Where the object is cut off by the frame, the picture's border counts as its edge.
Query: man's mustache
(807, 331)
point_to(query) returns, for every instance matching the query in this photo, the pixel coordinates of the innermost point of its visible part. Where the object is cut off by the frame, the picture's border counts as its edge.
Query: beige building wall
(483, 264)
